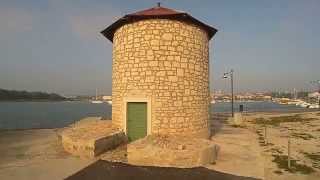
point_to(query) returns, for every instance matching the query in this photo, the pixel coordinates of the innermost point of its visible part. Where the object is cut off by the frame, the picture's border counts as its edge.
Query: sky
(56, 45)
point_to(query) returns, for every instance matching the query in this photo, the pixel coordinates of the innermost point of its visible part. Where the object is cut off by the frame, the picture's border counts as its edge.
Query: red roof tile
(156, 12)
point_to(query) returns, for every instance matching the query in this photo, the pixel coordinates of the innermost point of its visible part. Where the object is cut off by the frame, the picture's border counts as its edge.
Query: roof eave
(109, 31)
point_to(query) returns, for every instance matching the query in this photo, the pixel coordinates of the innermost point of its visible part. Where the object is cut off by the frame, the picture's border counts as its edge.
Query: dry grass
(304, 131)
(315, 157)
(276, 121)
(276, 151)
(282, 163)
(303, 136)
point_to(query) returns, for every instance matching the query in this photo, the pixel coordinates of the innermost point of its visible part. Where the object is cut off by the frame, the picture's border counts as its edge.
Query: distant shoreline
(38, 100)
(14, 95)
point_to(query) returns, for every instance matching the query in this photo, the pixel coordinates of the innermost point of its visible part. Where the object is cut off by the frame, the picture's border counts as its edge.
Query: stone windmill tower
(160, 73)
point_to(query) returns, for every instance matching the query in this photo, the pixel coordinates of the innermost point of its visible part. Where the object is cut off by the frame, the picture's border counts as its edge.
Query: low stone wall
(91, 137)
(172, 152)
(109, 142)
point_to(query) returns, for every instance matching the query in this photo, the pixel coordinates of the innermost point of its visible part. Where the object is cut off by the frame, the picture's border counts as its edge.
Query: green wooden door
(136, 120)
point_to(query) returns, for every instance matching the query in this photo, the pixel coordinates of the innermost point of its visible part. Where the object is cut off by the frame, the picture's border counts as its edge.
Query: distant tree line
(13, 95)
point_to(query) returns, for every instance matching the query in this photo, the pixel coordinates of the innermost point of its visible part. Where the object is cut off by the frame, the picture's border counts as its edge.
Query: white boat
(294, 102)
(109, 102)
(299, 102)
(305, 105)
(213, 102)
(314, 106)
(96, 101)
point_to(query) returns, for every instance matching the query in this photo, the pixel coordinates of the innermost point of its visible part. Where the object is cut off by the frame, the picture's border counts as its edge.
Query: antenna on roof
(159, 4)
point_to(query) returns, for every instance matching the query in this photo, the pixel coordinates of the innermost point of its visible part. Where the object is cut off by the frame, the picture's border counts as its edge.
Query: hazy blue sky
(55, 45)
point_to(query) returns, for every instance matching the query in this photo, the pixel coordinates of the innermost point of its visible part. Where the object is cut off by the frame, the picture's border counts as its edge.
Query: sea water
(29, 115)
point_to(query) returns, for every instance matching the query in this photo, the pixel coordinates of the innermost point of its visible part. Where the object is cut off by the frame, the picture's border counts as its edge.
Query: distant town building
(254, 96)
(314, 95)
(160, 81)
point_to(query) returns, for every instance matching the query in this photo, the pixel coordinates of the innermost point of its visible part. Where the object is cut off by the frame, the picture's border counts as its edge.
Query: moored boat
(314, 106)
(305, 105)
(96, 101)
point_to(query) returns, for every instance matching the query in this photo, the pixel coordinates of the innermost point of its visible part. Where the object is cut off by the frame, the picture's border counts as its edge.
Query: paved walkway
(240, 152)
(37, 155)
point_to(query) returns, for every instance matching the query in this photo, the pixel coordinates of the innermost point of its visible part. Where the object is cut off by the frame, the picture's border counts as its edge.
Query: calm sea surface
(25, 115)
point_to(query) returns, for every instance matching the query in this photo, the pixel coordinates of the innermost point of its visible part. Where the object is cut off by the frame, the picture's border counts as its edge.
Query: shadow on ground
(218, 121)
(104, 170)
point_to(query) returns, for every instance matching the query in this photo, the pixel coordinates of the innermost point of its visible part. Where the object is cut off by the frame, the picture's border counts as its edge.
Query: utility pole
(226, 75)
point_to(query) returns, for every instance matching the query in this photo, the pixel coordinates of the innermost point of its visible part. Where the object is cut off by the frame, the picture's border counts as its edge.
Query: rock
(181, 147)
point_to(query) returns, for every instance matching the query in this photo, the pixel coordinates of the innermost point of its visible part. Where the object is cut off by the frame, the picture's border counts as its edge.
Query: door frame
(126, 100)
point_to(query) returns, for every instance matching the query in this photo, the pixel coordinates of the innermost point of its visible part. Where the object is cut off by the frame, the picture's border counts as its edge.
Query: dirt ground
(274, 132)
(245, 150)
(239, 154)
(37, 155)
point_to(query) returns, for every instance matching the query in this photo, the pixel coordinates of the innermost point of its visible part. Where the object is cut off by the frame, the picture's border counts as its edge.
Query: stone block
(167, 36)
(90, 137)
(180, 72)
(172, 151)
(173, 78)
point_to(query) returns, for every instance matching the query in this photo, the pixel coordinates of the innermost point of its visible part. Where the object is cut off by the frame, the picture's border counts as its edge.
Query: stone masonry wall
(166, 61)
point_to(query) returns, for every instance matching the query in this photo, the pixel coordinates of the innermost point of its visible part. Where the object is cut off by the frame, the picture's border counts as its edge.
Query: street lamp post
(226, 75)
